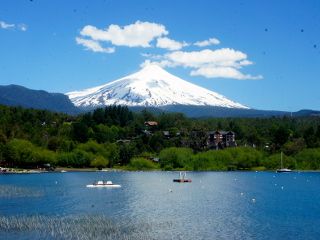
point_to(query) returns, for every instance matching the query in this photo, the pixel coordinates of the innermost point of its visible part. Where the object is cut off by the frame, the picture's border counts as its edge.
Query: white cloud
(162, 63)
(220, 63)
(23, 27)
(138, 34)
(222, 72)
(220, 57)
(205, 43)
(170, 44)
(5, 25)
(93, 45)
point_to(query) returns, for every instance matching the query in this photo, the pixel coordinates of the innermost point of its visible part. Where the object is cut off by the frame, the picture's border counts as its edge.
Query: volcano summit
(152, 86)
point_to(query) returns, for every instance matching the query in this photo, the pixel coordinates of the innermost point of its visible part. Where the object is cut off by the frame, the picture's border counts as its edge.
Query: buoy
(253, 200)
(241, 194)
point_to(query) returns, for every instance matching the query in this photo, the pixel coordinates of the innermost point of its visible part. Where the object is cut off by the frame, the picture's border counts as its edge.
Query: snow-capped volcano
(152, 86)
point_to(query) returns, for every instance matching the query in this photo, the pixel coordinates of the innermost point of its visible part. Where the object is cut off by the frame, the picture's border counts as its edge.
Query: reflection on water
(72, 227)
(216, 205)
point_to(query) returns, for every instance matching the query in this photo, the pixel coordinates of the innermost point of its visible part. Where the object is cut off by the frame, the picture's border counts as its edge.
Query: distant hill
(14, 95)
(210, 111)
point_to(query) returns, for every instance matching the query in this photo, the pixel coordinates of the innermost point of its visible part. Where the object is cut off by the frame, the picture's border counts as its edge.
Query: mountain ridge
(16, 95)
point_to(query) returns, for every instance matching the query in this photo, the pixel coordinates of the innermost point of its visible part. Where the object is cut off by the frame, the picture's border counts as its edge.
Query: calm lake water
(216, 205)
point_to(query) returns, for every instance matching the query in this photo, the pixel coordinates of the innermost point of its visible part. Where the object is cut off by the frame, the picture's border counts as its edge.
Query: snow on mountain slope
(151, 86)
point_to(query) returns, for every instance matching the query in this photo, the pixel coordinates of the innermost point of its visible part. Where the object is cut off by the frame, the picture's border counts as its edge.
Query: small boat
(282, 169)
(102, 184)
(182, 178)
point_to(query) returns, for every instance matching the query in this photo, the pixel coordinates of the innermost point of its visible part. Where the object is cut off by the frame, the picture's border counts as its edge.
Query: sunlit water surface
(216, 205)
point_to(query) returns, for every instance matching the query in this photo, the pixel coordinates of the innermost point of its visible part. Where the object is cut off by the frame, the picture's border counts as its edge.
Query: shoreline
(65, 170)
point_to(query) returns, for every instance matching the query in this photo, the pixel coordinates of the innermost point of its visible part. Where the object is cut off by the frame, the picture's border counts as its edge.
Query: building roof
(151, 123)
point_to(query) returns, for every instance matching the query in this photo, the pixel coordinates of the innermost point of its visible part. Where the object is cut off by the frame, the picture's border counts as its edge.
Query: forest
(116, 137)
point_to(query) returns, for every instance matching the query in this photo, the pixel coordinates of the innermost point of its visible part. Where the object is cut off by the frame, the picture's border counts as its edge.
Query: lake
(149, 205)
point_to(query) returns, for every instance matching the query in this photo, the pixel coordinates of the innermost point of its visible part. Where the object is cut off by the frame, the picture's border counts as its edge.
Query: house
(151, 124)
(221, 139)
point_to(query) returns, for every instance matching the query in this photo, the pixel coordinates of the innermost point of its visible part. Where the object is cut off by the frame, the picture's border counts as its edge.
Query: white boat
(102, 184)
(282, 169)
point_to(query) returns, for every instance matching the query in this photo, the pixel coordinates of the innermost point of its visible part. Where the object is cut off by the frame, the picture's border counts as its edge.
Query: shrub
(141, 164)
(173, 158)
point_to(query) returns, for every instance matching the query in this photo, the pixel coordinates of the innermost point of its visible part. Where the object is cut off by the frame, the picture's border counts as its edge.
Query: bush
(99, 162)
(22, 153)
(308, 159)
(175, 158)
(245, 157)
(141, 164)
(212, 160)
(76, 158)
(274, 161)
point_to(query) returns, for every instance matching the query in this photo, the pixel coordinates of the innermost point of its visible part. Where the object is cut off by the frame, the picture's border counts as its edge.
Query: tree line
(114, 136)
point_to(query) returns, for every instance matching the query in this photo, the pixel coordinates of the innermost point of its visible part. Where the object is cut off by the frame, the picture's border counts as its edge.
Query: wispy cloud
(22, 27)
(5, 25)
(205, 43)
(93, 45)
(170, 44)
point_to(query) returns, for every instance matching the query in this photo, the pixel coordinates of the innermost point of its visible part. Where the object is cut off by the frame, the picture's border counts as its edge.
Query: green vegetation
(116, 137)
(140, 163)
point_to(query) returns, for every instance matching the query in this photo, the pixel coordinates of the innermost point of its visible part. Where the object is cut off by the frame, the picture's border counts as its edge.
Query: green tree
(175, 158)
(141, 164)
(99, 162)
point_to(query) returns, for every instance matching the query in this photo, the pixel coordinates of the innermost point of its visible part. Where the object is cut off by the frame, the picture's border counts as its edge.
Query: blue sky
(264, 54)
